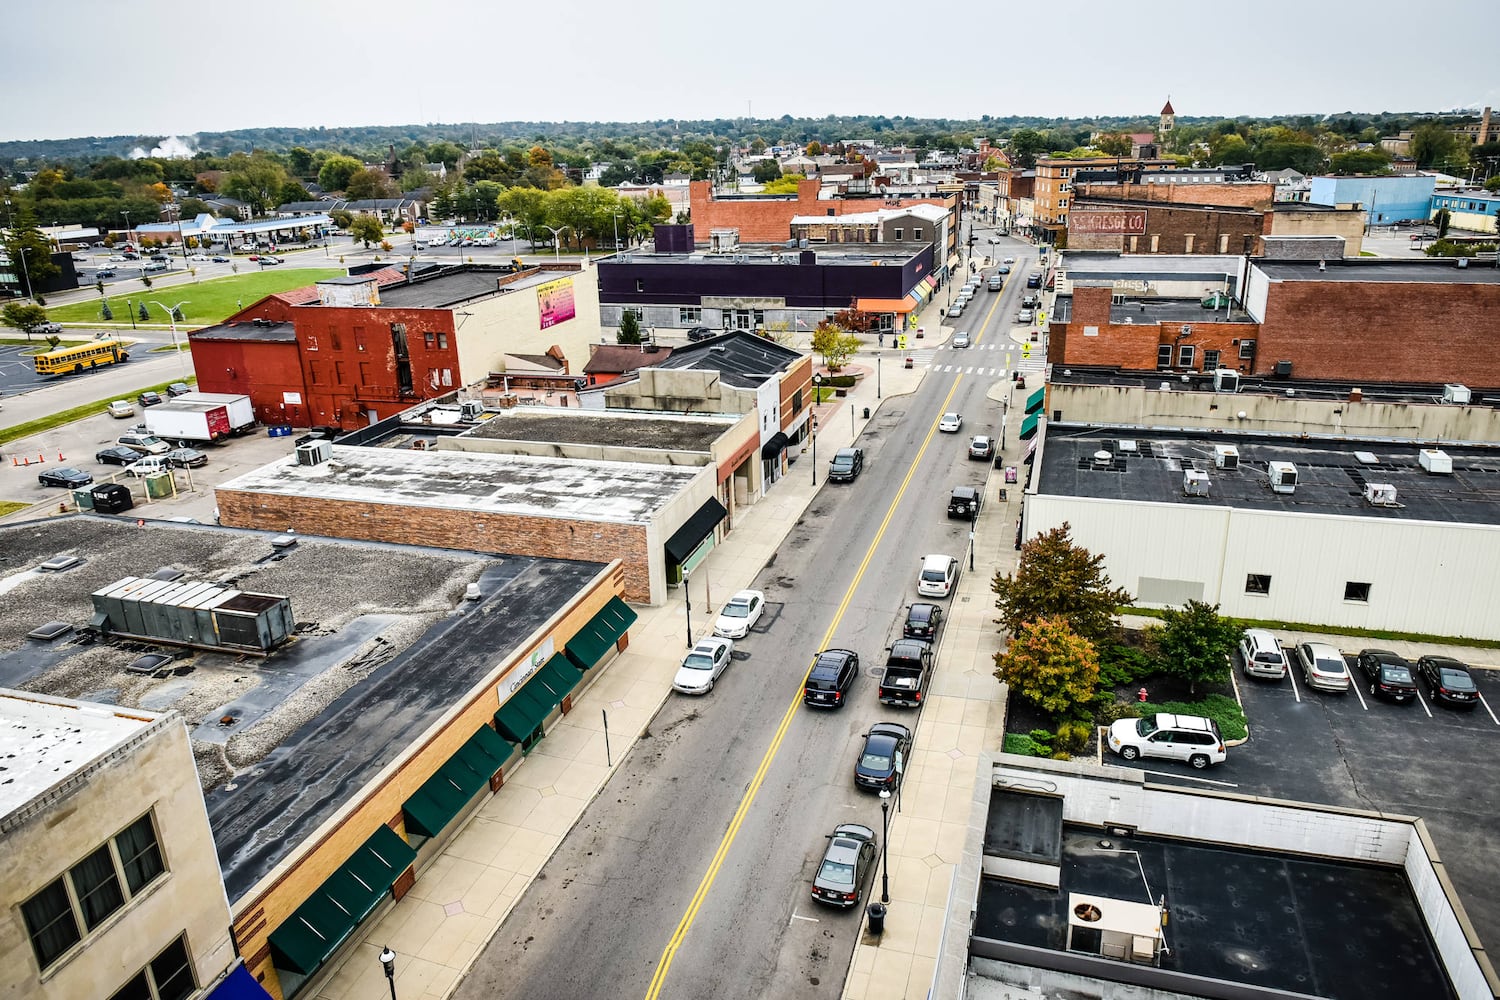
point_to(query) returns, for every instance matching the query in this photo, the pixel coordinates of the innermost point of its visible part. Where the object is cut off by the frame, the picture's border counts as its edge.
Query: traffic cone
(59, 457)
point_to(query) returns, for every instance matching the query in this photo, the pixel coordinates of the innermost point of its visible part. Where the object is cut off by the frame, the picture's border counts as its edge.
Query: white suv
(1262, 654)
(1188, 738)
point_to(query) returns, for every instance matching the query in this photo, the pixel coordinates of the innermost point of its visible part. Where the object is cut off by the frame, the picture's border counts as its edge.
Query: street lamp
(172, 315)
(615, 219)
(388, 959)
(688, 593)
(127, 224)
(554, 233)
(885, 845)
(812, 422)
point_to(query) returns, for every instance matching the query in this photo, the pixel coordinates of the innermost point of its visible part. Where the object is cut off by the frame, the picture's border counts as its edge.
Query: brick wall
(1134, 345)
(266, 371)
(769, 220)
(549, 538)
(1176, 230)
(1225, 195)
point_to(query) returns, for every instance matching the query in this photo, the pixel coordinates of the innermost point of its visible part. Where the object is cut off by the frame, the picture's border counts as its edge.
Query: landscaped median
(47, 423)
(202, 302)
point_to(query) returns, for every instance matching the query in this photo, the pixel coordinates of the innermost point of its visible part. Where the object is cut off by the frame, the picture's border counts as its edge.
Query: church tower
(1168, 119)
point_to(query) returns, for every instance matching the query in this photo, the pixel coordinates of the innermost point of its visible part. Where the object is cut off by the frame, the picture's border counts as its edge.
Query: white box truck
(185, 422)
(241, 411)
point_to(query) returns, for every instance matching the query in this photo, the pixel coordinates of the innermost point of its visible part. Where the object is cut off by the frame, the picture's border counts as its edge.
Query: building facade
(1385, 200)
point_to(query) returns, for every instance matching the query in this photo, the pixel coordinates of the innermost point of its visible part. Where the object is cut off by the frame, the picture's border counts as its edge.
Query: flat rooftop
(745, 360)
(1254, 385)
(619, 492)
(277, 332)
(453, 286)
(320, 717)
(1330, 474)
(1148, 312)
(1281, 921)
(778, 256)
(610, 428)
(1083, 266)
(44, 741)
(1432, 271)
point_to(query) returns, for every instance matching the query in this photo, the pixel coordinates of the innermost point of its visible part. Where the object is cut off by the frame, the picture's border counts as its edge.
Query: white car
(1008, 260)
(956, 310)
(960, 340)
(441, 241)
(201, 258)
(951, 422)
(1189, 738)
(701, 667)
(1025, 316)
(117, 258)
(737, 617)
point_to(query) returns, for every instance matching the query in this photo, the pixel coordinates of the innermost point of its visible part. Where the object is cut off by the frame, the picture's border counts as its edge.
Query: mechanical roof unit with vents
(192, 613)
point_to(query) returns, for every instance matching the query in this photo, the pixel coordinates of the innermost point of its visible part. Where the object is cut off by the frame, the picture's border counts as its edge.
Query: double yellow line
(658, 980)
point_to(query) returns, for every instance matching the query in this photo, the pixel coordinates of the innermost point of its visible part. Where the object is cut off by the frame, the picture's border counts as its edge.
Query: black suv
(965, 503)
(832, 675)
(922, 622)
(1389, 674)
(846, 465)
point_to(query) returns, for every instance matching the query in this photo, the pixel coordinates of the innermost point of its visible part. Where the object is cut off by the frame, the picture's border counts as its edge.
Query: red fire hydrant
(1141, 694)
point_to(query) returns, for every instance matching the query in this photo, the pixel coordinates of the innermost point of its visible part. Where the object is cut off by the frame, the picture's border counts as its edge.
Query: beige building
(109, 877)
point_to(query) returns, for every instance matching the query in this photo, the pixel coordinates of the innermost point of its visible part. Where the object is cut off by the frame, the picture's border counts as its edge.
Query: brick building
(1053, 191)
(1140, 225)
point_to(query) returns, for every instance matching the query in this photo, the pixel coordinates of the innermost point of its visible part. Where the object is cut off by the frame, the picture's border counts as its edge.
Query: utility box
(1435, 462)
(1226, 380)
(1226, 456)
(1456, 394)
(1194, 483)
(1380, 494)
(1283, 477)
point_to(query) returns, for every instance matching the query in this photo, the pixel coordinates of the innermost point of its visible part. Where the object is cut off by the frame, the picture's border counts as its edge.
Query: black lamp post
(885, 845)
(388, 959)
(812, 424)
(687, 592)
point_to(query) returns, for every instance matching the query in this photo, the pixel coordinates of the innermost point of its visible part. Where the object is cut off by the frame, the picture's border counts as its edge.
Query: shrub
(1110, 711)
(1020, 743)
(1073, 736)
(1041, 736)
(1222, 709)
(1121, 665)
(840, 381)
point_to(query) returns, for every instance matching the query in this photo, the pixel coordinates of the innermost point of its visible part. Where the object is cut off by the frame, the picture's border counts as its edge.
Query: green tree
(630, 329)
(1493, 184)
(105, 312)
(1432, 144)
(1359, 161)
(1115, 144)
(1056, 578)
(143, 313)
(488, 165)
(341, 218)
(835, 343)
(24, 317)
(1443, 220)
(1195, 643)
(815, 148)
(256, 180)
(367, 229)
(444, 152)
(336, 170)
(299, 161)
(365, 184)
(1025, 144)
(1051, 666)
(25, 243)
(765, 170)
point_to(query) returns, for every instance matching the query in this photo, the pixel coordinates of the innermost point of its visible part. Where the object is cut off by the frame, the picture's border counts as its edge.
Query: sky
(173, 67)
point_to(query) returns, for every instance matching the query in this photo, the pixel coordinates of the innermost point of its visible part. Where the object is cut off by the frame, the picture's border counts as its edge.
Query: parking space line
(1291, 675)
(798, 916)
(1423, 702)
(1355, 688)
(1487, 708)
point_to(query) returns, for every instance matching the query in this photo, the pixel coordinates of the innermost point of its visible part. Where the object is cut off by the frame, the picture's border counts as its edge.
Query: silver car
(1323, 667)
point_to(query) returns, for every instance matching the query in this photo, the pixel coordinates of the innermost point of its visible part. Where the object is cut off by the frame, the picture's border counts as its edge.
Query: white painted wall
(1443, 923)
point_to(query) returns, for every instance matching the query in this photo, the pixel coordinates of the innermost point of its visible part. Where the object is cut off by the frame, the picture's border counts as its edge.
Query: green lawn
(207, 301)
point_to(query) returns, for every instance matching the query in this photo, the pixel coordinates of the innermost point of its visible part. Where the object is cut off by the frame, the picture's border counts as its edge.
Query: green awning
(559, 676)
(444, 795)
(1036, 401)
(595, 639)
(1028, 426)
(304, 940)
(523, 711)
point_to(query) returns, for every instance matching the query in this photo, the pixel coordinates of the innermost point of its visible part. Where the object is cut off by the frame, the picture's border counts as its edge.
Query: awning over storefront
(525, 710)
(304, 940)
(902, 306)
(1036, 401)
(1028, 426)
(700, 525)
(599, 636)
(239, 985)
(774, 445)
(455, 783)
(559, 676)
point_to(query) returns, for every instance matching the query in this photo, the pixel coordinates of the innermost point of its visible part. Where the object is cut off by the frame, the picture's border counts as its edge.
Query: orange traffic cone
(59, 457)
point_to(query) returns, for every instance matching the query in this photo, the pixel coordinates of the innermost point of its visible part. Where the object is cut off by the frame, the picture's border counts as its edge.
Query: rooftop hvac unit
(1127, 447)
(1226, 456)
(1114, 928)
(1226, 380)
(1103, 459)
(1283, 477)
(470, 409)
(1436, 462)
(1455, 393)
(1380, 494)
(314, 452)
(1283, 369)
(1194, 483)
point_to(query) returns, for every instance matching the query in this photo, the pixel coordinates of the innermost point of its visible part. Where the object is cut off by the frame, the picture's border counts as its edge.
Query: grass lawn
(207, 301)
(52, 420)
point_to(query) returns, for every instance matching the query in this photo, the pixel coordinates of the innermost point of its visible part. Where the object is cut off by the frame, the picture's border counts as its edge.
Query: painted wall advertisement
(555, 301)
(1116, 223)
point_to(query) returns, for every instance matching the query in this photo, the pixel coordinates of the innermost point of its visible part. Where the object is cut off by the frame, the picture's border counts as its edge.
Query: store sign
(534, 662)
(1108, 223)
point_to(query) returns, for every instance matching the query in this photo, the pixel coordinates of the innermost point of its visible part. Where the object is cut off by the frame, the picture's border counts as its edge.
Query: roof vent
(1456, 393)
(1435, 462)
(283, 542)
(1381, 495)
(1127, 447)
(1103, 459)
(1367, 458)
(1283, 477)
(60, 563)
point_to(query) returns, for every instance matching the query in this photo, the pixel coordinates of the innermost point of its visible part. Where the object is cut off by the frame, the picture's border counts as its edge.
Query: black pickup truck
(908, 666)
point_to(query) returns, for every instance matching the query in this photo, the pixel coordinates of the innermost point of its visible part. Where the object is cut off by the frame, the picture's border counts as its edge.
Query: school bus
(84, 357)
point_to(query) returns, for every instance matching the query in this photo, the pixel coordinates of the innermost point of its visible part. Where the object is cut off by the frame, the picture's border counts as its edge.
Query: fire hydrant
(1141, 694)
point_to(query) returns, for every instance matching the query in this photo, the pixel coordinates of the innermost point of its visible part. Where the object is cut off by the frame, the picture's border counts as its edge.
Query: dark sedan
(66, 476)
(702, 333)
(850, 857)
(882, 762)
(1389, 674)
(922, 622)
(185, 458)
(150, 398)
(117, 455)
(220, 259)
(1448, 681)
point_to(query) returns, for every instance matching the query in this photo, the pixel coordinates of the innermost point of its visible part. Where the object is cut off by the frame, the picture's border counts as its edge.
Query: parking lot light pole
(885, 845)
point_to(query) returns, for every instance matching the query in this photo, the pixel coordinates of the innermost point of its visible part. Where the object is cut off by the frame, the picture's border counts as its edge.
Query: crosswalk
(981, 359)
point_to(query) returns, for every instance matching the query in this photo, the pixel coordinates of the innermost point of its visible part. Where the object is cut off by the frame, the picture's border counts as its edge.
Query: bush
(1110, 711)
(1121, 665)
(840, 381)
(1221, 708)
(1073, 736)
(1020, 743)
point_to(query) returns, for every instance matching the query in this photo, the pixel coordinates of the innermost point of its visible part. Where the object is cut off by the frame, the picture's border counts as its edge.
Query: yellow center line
(658, 980)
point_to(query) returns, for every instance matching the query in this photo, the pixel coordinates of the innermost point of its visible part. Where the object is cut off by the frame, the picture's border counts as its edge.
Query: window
(1247, 350)
(429, 339)
(1257, 583)
(335, 340)
(916, 232)
(1357, 592)
(1185, 356)
(1155, 242)
(338, 373)
(689, 314)
(168, 977)
(899, 233)
(447, 376)
(1224, 243)
(442, 341)
(797, 401)
(742, 319)
(1134, 243)
(1188, 243)
(94, 888)
(760, 318)
(1210, 361)
(1164, 356)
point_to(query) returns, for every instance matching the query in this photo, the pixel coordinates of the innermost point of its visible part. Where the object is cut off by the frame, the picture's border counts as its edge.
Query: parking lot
(1355, 751)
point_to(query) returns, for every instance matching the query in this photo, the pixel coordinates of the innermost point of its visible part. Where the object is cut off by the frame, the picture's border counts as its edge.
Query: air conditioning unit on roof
(1435, 461)
(1380, 494)
(1283, 477)
(1226, 456)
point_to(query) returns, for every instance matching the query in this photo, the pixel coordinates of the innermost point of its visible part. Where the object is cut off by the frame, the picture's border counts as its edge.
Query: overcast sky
(173, 67)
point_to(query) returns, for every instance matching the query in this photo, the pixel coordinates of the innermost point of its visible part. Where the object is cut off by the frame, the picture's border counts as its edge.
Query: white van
(938, 575)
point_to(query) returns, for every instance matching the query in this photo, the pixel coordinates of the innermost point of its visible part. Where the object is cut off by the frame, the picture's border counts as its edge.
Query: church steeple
(1168, 118)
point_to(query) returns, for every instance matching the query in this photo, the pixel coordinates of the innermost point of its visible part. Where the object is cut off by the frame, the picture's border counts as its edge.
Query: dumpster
(159, 485)
(112, 498)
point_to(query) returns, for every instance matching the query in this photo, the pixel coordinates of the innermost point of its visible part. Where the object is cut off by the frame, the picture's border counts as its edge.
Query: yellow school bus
(84, 357)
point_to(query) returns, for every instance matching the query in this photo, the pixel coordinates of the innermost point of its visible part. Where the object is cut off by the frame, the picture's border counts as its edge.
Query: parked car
(937, 576)
(105, 272)
(1262, 654)
(1323, 667)
(1003, 269)
(150, 398)
(1448, 681)
(700, 333)
(121, 409)
(201, 258)
(1189, 738)
(178, 389)
(951, 422)
(960, 340)
(1025, 315)
(964, 502)
(1009, 260)
(160, 256)
(1034, 281)
(846, 465)
(1031, 300)
(832, 675)
(739, 614)
(148, 466)
(981, 447)
(882, 761)
(1389, 674)
(116, 455)
(956, 309)
(702, 666)
(922, 621)
(66, 476)
(117, 258)
(265, 260)
(146, 444)
(185, 458)
(848, 859)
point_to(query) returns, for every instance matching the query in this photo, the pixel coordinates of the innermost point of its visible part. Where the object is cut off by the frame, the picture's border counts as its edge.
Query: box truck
(241, 410)
(187, 422)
